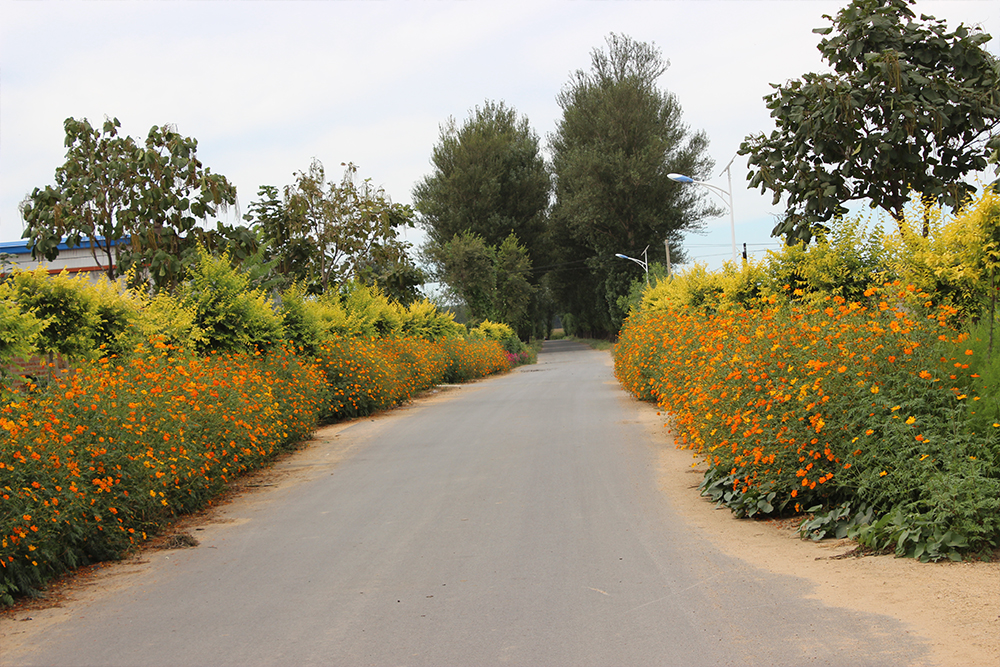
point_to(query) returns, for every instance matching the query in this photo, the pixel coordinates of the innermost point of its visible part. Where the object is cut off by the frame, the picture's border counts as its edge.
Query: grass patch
(594, 343)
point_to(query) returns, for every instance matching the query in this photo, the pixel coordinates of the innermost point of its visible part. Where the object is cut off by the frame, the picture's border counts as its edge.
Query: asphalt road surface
(513, 521)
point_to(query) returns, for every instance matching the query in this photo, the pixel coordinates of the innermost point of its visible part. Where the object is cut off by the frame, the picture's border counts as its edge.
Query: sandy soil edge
(954, 606)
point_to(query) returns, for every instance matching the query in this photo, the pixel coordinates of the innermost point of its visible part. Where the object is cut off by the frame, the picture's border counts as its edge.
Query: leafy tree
(489, 179)
(909, 106)
(619, 137)
(136, 206)
(176, 191)
(512, 268)
(467, 266)
(389, 267)
(494, 282)
(993, 145)
(289, 247)
(92, 200)
(323, 233)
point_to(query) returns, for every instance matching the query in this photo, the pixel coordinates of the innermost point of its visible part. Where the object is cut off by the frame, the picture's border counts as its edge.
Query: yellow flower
(883, 473)
(874, 389)
(910, 420)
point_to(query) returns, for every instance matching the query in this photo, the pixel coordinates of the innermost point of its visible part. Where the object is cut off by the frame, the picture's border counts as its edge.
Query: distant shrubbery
(517, 352)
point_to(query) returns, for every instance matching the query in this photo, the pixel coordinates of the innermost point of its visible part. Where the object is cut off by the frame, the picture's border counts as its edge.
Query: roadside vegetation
(853, 381)
(852, 376)
(162, 400)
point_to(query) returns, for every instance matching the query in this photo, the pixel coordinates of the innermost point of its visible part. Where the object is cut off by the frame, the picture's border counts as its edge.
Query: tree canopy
(132, 205)
(619, 137)
(493, 281)
(489, 178)
(908, 107)
(321, 233)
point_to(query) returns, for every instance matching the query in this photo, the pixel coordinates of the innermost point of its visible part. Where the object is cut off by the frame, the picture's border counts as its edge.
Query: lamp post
(725, 195)
(640, 262)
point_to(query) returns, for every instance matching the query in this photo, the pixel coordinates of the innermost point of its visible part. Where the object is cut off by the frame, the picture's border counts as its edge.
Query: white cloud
(266, 86)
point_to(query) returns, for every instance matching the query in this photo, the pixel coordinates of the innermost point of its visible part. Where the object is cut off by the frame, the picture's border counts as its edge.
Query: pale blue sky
(267, 86)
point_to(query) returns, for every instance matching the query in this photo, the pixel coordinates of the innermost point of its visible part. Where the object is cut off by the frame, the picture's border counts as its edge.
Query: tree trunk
(897, 215)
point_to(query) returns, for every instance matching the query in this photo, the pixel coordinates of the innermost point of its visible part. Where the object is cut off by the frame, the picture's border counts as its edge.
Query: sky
(265, 87)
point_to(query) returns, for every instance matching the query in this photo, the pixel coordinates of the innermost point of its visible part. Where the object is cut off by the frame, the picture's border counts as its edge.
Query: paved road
(515, 521)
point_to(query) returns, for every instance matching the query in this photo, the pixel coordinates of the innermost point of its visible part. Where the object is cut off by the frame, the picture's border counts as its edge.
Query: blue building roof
(21, 247)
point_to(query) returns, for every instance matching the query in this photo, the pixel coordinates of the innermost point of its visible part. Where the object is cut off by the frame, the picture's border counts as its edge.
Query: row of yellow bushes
(218, 308)
(956, 262)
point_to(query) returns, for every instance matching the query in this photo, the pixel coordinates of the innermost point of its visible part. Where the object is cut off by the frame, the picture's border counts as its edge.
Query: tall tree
(908, 107)
(619, 137)
(285, 243)
(514, 291)
(489, 178)
(389, 267)
(92, 199)
(131, 204)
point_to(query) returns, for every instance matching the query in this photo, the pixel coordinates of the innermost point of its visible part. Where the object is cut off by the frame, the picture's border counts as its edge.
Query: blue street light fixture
(640, 262)
(725, 195)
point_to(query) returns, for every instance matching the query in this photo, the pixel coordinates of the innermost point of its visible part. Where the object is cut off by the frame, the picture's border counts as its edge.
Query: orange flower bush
(471, 359)
(799, 407)
(367, 375)
(100, 459)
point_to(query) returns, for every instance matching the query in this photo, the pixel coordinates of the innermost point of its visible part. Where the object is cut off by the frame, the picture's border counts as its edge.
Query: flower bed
(99, 460)
(860, 413)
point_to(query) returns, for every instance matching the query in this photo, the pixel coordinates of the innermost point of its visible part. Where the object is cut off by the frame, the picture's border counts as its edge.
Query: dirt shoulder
(954, 606)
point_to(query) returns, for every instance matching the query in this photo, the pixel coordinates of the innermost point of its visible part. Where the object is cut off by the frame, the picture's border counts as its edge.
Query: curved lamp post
(725, 195)
(640, 262)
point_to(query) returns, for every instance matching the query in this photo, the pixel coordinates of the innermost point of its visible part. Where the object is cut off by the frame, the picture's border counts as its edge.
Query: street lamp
(640, 262)
(725, 195)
